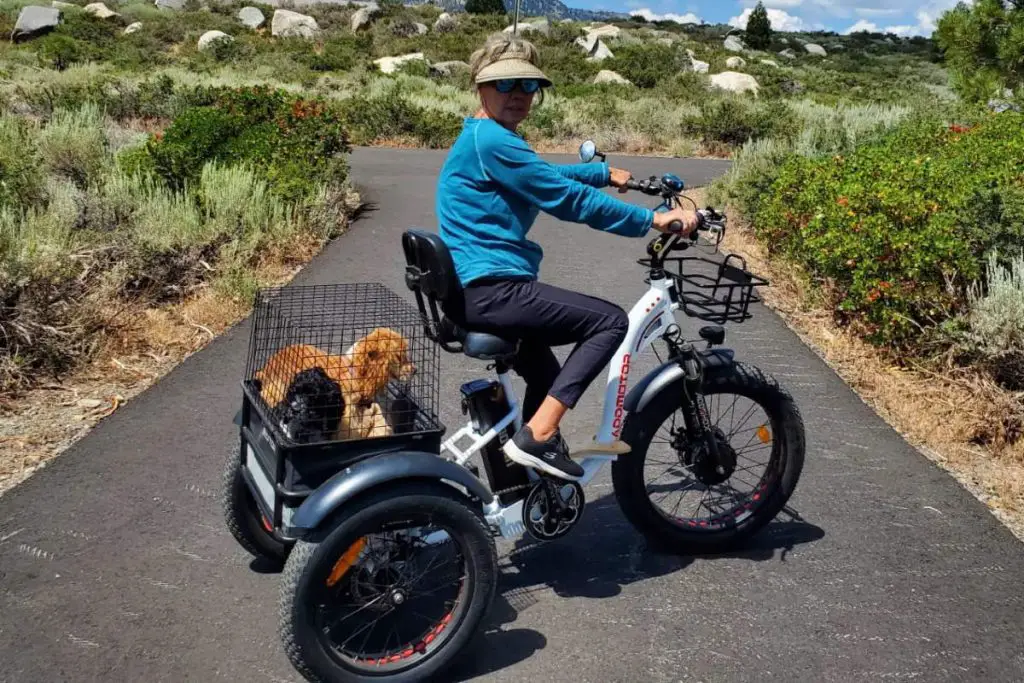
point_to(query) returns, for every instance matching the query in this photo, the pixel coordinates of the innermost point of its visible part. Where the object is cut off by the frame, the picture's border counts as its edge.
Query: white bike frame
(650, 316)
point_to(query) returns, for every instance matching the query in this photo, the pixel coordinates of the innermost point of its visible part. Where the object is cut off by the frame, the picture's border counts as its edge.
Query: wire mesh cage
(341, 362)
(715, 291)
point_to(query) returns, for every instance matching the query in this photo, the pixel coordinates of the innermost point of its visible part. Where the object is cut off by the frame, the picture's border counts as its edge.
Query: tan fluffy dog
(362, 374)
(375, 359)
(281, 368)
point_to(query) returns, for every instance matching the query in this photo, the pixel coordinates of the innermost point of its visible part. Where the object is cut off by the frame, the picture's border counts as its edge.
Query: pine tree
(759, 28)
(485, 6)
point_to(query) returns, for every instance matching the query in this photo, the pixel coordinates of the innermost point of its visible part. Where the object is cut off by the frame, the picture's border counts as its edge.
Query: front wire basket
(714, 291)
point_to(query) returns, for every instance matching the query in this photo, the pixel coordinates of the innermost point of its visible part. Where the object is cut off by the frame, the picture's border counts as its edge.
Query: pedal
(595, 448)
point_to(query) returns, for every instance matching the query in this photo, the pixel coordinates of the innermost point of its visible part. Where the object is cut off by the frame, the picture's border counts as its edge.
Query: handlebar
(708, 219)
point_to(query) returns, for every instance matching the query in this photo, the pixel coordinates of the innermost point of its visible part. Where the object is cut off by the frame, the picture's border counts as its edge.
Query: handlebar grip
(675, 227)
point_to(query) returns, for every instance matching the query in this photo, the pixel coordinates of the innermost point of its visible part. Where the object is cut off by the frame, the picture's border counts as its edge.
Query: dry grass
(40, 424)
(945, 416)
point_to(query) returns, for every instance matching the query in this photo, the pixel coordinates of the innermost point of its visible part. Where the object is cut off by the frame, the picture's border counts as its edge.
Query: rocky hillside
(552, 9)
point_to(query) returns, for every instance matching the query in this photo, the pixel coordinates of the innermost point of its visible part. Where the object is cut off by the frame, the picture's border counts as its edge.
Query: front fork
(695, 407)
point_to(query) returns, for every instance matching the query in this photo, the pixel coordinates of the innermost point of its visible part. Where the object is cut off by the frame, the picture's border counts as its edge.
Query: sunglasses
(527, 85)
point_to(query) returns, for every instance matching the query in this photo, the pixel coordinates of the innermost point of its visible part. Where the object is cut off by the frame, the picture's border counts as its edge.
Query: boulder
(791, 87)
(251, 17)
(170, 4)
(421, 29)
(769, 62)
(542, 26)
(364, 17)
(132, 28)
(448, 68)
(596, 49)
(208, 39)
(734, 44)
(735, 81)
(608, 32)
(288, 24)
(735, 62)
(34, 21)
(699, 66)
(815, 49)
(788, 53)
(1000, 106)
(100, 11)
(390, 65)
(606, 76)
(404, 28)
(446, 23)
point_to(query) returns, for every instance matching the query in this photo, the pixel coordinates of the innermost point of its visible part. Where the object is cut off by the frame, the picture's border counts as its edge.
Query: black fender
(670, 372)
(381, 469)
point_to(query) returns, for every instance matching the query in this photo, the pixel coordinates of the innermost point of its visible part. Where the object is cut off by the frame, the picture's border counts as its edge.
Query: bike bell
(672, 182)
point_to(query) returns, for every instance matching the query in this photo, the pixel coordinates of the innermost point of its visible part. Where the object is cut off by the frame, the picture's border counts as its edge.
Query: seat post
(502, 368)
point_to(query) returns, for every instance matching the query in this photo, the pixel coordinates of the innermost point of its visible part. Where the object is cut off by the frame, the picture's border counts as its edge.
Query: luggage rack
(721, 297)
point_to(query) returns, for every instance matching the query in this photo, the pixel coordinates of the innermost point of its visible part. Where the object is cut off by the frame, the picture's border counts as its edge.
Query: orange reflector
(346, 561)
(764, 434)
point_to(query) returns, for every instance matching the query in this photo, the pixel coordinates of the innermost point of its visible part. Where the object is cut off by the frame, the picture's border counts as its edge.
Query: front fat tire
(638, 430)
(297, 629)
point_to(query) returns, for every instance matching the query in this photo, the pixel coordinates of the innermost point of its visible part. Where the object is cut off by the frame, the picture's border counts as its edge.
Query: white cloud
(781, 21)
(875, 11)
(688, 18)
(925, 26)
(778, 3)
(863, 25)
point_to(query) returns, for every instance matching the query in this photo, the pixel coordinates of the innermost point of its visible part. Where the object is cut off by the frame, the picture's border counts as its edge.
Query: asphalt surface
(115, 564)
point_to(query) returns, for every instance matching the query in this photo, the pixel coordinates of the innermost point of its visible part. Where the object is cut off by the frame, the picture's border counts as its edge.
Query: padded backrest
(429, 266)
(430, 274)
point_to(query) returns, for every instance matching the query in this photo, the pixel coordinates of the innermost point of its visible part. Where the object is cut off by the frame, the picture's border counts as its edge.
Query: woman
(491, 189)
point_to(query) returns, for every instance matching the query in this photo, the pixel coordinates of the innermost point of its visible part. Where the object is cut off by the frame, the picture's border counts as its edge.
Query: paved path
(115, 565)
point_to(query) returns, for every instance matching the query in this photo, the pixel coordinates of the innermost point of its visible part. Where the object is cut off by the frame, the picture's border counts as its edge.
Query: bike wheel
(375, 600)
(742, 391)
(243, 516)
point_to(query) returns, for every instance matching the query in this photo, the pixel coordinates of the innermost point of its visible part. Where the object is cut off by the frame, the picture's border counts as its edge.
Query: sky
(901, 17)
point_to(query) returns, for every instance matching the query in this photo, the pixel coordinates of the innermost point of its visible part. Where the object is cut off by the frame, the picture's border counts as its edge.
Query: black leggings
(542, 316)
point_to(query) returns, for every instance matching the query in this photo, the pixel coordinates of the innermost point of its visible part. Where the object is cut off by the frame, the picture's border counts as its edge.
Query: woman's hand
(663, 219)
(619, 178)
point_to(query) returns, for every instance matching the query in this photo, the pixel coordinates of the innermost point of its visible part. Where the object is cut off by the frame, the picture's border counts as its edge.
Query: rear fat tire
(242, 516)
(787, 454)
(310, 561)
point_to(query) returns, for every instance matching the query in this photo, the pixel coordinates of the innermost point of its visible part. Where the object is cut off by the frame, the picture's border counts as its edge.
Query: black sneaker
(551, 456)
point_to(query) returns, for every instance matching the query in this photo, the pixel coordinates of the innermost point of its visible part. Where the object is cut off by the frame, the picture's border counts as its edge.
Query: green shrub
(900, 227)
(22, 182)
(391, 116)
(646, 65)
(73, 144)
(296, 142)
(995, 320)
(734, 120)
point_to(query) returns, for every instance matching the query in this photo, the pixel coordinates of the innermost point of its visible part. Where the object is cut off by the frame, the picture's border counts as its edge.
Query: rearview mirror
(588, 150)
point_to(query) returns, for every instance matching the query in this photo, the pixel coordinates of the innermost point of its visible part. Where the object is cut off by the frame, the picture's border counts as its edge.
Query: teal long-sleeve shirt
(493, 186)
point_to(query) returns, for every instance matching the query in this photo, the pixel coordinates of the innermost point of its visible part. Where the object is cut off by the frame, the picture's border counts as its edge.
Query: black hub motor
(696, 456)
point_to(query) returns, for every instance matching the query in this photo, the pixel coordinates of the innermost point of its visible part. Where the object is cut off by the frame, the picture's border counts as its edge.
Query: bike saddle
(480, 345)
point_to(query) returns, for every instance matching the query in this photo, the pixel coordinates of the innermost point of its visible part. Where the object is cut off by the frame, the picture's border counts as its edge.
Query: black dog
(311, 410)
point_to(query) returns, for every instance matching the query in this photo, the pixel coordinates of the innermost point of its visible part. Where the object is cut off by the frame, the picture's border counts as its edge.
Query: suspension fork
(695, 406)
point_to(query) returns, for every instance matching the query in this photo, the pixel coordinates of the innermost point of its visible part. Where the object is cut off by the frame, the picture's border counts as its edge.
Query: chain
(513, 489)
